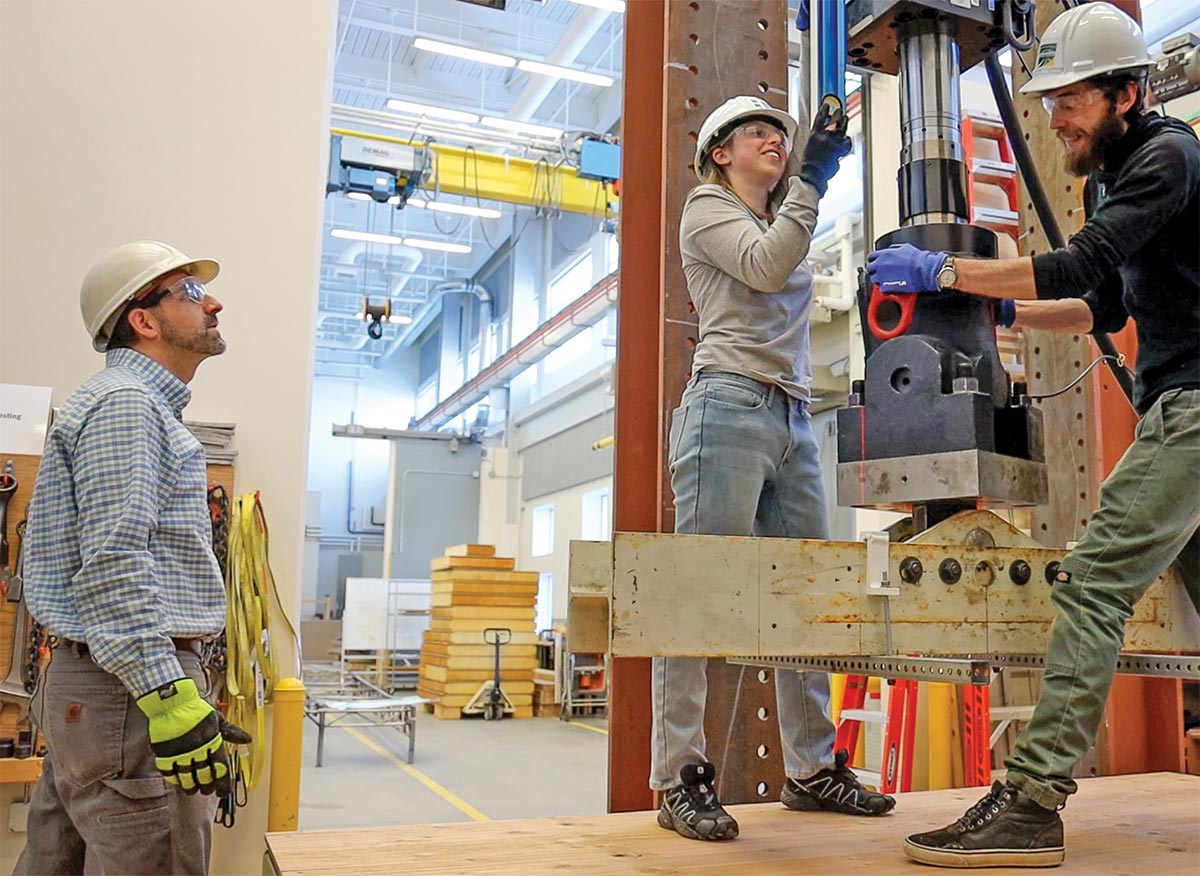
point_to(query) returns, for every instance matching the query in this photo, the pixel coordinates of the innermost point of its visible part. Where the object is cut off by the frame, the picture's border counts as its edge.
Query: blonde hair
(711, 173)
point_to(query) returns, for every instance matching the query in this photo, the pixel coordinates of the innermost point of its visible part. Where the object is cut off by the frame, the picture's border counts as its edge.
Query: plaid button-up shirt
(118, 548)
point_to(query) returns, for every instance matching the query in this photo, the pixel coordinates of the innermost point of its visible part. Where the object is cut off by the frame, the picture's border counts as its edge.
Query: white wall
(199, 123)
(568, 522)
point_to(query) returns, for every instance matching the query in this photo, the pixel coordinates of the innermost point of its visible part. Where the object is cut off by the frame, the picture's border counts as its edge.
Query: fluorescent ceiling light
(365, 236)
(475, 134)
(438, 245)
(433, 112)
(459, 209)
(464, 52)
(612, 5)
(488, 139)
(565, 73)
(520, 127)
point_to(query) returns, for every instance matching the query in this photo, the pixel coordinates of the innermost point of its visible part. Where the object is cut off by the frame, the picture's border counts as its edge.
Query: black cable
(1120, 363)
(1041, 202)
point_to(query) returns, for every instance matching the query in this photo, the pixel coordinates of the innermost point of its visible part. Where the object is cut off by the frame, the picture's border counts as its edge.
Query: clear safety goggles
(188, 288)
(762, 131)
(1070, 104)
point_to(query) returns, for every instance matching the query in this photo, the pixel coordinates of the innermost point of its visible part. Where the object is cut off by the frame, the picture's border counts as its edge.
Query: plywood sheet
(1116, 825)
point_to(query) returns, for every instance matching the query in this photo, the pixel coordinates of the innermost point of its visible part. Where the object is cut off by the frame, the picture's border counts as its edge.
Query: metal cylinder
(930, 107)
(930, 123)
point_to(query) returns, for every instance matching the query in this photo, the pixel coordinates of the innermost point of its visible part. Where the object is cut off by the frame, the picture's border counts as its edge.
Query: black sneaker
(693, 810)
(1004, 829)
(835, 789)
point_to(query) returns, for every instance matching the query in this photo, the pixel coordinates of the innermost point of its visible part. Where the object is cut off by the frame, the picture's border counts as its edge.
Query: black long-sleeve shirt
(1138, 254)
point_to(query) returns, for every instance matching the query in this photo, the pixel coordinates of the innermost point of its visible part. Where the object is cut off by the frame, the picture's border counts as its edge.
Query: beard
(1091, 158)
(203, 342)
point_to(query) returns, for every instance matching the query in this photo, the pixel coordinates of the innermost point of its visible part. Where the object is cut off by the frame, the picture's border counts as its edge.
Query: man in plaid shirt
(119, 567)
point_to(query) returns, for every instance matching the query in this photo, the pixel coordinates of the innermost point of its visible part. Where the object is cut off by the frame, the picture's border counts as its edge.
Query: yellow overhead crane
(466, 171)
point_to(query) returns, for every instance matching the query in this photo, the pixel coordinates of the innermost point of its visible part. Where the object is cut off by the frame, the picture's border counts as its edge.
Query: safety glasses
(1070, 104)
(185, 288)
(762, 131)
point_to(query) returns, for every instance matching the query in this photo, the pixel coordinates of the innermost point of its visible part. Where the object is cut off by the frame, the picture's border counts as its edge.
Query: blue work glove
(904, 268)
(802, 16)
(827, 145)
(1006, 312)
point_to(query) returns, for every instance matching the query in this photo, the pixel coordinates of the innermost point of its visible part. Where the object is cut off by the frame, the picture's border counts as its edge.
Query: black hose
(1041, 203)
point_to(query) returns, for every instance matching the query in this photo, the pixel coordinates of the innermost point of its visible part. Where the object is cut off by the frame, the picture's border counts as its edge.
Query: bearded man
(1136, 256)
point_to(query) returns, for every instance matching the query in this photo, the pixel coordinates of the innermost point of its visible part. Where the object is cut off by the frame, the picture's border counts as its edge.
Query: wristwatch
(947, 276)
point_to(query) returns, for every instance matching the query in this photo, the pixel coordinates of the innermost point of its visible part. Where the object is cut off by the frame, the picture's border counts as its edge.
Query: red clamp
(907, 304)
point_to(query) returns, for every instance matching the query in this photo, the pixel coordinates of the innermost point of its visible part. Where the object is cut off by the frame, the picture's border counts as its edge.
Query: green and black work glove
(188, 736)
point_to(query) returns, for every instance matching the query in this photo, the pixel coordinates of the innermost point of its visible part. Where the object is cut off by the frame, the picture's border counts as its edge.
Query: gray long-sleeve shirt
(752, 291)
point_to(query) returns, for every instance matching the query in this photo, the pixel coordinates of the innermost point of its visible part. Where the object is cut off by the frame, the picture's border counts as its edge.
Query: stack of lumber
(473, 590)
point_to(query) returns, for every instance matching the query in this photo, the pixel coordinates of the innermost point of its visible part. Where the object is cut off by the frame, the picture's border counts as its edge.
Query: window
(427, 396)
(542, 531)
(545, 601)
(597, 515)
(569, 284)
(611, 255)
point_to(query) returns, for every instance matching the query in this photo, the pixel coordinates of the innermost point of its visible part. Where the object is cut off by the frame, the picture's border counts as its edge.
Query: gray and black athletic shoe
(693, 810)
(835, 789)
(1004, 829)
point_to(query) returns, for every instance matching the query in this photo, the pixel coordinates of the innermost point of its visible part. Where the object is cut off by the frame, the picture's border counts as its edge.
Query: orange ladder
(899, 735)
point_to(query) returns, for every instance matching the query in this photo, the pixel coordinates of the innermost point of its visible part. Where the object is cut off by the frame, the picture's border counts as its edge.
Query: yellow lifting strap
(252, 664)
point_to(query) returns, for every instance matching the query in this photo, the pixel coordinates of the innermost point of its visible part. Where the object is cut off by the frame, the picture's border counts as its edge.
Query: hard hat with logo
(122, 273)
(724, 118)
(1089, 40)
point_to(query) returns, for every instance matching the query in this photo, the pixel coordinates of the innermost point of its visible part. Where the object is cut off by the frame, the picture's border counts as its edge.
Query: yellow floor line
(588, 727)
(455, 801)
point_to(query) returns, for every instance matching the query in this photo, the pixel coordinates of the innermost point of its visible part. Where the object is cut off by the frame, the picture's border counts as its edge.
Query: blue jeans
(744, 461)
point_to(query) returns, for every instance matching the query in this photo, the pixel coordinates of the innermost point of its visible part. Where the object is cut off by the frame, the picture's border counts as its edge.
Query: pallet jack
(490, 700)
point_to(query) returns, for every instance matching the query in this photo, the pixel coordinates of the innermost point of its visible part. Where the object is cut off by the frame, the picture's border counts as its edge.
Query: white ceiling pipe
(586, 25)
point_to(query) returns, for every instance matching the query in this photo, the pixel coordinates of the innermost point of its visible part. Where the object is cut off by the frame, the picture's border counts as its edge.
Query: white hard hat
(121, 273)
(1086, 41)
(721, 120)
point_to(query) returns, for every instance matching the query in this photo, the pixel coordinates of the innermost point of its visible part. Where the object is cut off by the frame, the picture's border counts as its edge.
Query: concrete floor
(463, 770)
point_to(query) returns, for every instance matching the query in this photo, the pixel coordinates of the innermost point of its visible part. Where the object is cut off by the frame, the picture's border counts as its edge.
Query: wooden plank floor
(1126, 825)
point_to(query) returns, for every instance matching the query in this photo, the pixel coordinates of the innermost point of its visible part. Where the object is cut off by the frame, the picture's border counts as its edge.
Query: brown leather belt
(80, 649)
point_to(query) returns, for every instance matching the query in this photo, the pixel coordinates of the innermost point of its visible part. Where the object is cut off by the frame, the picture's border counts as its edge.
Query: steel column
(637, 455)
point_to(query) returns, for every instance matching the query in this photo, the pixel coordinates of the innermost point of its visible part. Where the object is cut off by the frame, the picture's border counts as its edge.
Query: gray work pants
(101, 805)
(744, 461)
(1149, 507)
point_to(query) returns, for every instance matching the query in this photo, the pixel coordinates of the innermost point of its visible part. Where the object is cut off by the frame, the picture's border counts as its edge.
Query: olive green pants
(1149, 507)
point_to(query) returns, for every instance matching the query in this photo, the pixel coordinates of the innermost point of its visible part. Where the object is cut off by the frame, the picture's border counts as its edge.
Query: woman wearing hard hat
(743, 457)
